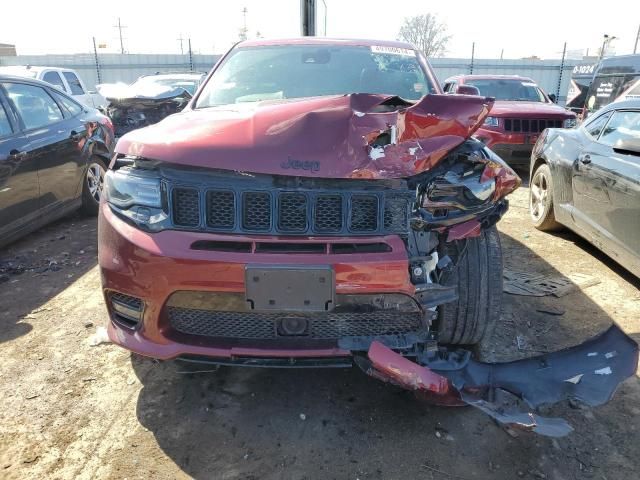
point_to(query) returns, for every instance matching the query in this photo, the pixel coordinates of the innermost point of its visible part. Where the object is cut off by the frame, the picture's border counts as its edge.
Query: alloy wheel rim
(95, 180)
(539, 195)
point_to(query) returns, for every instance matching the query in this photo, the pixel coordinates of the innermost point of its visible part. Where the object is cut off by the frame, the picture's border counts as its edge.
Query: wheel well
(536, 164)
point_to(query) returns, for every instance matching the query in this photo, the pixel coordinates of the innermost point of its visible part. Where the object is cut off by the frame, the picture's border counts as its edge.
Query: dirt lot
(70, 410)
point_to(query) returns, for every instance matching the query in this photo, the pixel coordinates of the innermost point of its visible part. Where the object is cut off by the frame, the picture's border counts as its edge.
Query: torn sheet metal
(346, 136)
(510, 392)
(539, 285)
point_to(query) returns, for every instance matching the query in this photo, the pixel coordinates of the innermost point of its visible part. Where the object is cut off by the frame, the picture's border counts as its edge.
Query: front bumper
(153, 267)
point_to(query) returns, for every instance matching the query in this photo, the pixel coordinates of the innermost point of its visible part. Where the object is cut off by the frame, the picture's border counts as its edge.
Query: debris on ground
(101, 336)
(539, 285)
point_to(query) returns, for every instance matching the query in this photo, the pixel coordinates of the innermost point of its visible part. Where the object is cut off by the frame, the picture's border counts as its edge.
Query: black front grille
(364, 213)
(256, 211)
(186, 207)
(221, 209)
(328, 214)
(292, 212)
(234, 209)
(322, 326)
(530, 125)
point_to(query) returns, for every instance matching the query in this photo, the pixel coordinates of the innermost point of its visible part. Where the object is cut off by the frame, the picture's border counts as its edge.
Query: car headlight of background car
(569, 123)
(491, 122)
(137, 196)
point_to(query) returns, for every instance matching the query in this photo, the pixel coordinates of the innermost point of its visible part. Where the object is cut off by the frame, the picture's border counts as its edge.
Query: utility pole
(501, 53)
(473, 54)
(325, 17)
(190, 57)
(308, 18)
(180, 39)
(120, 27)
(95, 56)
(635, 47)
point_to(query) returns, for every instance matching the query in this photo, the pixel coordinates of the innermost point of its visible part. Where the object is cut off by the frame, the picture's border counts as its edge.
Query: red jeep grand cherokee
(520, 113)
(321, 203)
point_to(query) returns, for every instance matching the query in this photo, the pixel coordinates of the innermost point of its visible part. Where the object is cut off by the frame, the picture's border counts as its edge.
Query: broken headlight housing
(137, 195)
(569, 123)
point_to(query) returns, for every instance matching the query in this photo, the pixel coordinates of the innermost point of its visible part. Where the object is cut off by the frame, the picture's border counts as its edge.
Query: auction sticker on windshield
(405, 52)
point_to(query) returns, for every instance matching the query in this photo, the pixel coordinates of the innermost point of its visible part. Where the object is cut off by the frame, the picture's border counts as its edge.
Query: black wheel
(92, 185)
(478, 276)
(541, 200)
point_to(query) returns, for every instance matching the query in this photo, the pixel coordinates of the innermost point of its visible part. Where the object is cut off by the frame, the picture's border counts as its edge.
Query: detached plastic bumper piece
(510, 392)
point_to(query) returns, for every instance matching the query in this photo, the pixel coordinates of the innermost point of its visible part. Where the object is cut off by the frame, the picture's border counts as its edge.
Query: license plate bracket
(290, 288)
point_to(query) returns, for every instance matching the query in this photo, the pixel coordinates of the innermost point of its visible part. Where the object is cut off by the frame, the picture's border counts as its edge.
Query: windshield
(294, 71)
(511, 90)
(189, 85)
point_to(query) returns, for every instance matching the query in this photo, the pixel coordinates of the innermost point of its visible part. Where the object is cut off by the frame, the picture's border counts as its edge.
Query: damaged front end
(369, 166)
(131, 108)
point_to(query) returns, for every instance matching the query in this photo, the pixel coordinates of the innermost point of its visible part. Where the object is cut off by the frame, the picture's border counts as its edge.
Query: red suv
(520, 113)
(319, 203)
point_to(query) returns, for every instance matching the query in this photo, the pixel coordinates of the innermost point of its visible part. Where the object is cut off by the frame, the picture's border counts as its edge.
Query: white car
(65, 79)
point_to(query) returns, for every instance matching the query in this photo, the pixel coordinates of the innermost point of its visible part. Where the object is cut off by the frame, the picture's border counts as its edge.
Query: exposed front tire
(92, 185)
(478, 277)
(541, 200)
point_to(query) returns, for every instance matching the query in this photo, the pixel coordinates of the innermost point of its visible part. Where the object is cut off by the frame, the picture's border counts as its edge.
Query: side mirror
(467, 90)
(629, 146)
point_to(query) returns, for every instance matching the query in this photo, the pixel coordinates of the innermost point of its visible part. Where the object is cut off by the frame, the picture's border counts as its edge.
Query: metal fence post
(564, 52)
(95, 56)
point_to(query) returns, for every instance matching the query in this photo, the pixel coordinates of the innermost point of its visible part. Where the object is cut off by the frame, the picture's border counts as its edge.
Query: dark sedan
(588, 179)
(53, 155)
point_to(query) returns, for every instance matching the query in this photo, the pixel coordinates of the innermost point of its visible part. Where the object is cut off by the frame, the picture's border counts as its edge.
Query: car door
(609, 188)
(55, 139)
(18, 175)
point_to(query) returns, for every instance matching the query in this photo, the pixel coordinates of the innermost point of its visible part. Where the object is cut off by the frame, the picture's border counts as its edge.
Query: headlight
(136, 195)
(491, 122)
(569, 123)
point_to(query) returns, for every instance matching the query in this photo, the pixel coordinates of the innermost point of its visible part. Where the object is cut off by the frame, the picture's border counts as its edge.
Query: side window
(594, 127)
(34, 105)
(54, 79)
(622, 126)
(69, 105)
(74, 83)
(449, 87)
(5, 126)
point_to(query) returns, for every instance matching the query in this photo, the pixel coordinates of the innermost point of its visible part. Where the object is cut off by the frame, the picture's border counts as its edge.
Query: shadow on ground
(272, 424)
(41, 265)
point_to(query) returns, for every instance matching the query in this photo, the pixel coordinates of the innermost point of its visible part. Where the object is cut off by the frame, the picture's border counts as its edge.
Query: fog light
(127, 309)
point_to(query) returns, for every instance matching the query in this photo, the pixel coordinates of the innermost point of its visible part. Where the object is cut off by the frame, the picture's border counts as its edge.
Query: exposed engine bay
(130, 110)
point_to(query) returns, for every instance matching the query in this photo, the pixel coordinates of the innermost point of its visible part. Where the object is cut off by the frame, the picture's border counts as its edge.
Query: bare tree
(427, 33)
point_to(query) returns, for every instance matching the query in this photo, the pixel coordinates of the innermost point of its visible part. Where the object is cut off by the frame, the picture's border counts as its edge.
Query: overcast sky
(537, 27)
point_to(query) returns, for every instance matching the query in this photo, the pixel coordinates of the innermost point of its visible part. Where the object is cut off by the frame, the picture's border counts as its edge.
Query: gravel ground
(71, 410)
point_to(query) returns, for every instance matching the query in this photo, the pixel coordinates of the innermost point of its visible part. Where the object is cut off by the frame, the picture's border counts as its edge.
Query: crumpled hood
(528, 109)
(346, 136)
